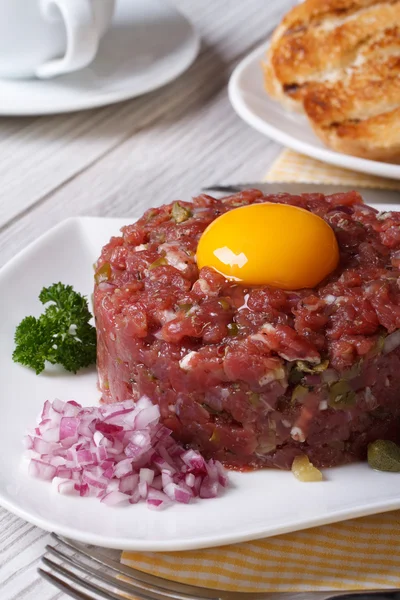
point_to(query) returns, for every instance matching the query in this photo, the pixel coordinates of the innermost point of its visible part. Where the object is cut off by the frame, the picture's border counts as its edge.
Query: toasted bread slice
(339, 61)
(320, 38)
(360, 113)
(376, 138)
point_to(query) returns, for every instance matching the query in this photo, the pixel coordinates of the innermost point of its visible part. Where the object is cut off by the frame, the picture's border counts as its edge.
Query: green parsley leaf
(61, 335)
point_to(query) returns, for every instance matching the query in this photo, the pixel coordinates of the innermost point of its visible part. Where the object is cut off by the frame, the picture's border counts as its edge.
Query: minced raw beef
(254, 376)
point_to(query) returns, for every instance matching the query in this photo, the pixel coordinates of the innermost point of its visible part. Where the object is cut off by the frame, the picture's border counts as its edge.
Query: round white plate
(148, 45)
(255, 505)
(252, 103)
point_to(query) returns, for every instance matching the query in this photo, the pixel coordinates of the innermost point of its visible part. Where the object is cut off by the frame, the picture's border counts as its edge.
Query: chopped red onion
(157, 483)
(157, 499)
(190, 479)
(208, 488)
(114, 498)
(124, 467)
(128, 483)
(42, 470)
(41, 446)
(147, 416)
(27, 442)
(146, 476)
(46, 410)
(119, 453)
(194, 460)
(57, 405)
(66, 487)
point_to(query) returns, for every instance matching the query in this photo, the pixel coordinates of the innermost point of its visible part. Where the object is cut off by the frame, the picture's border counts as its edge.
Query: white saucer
(149, 44)
(251, 102)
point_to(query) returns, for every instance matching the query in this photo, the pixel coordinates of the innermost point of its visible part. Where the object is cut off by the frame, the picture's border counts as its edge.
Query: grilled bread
(339, 62)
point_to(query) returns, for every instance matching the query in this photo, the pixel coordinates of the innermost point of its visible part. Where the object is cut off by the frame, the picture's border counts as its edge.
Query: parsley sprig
(61, 335)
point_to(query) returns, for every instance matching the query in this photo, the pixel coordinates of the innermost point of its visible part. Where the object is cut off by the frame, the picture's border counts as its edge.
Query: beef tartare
(254, 375)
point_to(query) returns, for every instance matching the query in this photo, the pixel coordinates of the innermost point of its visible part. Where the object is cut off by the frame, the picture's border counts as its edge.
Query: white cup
(45, 38)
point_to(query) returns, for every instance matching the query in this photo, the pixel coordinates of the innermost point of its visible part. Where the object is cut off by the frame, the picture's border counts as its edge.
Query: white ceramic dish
(148, 45)
(252, 103)
(256, 505)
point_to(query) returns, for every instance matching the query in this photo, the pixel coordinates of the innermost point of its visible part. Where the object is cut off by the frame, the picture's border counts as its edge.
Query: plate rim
(253, 532)
(116, 543)
(363, 165)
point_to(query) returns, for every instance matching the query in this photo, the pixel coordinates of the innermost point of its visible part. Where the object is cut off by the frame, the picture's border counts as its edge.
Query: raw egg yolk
(270, 244)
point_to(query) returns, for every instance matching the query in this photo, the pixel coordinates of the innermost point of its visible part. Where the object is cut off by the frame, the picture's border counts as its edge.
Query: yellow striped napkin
(291, 166)
(353, 555)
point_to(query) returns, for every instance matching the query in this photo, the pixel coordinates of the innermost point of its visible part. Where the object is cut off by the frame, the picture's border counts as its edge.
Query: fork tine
(133, 588)
(120, 585)
(138, 576)
(111, 579)
(84, 583)
(63, 586)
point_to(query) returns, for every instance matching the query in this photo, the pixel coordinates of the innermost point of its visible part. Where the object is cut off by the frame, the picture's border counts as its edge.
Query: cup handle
(81, 32)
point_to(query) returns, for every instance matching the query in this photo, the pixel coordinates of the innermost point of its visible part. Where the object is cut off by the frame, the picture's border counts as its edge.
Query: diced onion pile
(119, 453)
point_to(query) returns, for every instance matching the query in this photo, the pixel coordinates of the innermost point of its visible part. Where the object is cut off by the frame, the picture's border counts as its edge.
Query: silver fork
(87, 574)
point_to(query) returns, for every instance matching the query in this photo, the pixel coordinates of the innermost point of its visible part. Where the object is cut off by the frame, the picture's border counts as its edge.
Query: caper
(384, 455)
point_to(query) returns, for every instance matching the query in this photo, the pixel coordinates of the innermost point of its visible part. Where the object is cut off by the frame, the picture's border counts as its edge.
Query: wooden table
(119, 160)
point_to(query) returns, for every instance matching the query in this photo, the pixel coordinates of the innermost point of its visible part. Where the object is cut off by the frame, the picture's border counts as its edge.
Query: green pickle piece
(306, 368)
(150, 214)
(377, 349)
(254, 398)
(215, 438)
(223, 302)
(233, 329)
(341, 395)
(384, 455)
(158, 263)
(185, 307)
(180, 213)
(354, 371)
(299, 392)
(104, 273)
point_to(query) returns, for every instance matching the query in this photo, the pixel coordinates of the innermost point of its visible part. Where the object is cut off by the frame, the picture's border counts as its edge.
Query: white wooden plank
(153, 167)
(39, 155)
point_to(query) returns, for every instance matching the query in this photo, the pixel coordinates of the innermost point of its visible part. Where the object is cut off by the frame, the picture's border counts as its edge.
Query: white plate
(252, 103)
(148, 45)
(256, 505)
